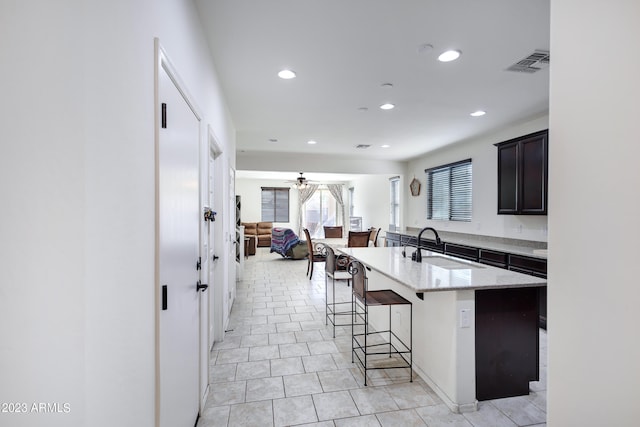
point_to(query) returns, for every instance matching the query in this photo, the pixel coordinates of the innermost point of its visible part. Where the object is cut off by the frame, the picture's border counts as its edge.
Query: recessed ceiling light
(478, 113)
(450, 55)
(311, 142)
(273, 140)
(387, 85)
(385, 146)
(387, 106)
(286, 74)
(363, 109)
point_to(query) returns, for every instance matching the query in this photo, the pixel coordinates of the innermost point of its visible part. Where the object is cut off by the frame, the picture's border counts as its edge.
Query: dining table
(334, 242)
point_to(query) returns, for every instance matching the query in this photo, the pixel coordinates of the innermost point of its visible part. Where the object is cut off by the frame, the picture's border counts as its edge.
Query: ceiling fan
(301, 182)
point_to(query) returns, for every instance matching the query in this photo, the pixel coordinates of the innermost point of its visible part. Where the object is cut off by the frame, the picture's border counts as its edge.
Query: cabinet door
(533, 198)
(461, 251)
(393, 239)
(508, 180)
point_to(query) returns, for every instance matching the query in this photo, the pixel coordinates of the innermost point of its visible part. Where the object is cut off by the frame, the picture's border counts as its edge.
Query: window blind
(275, 204)
(449, 191)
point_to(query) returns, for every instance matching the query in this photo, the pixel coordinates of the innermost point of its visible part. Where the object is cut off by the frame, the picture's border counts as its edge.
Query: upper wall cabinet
(522, 175)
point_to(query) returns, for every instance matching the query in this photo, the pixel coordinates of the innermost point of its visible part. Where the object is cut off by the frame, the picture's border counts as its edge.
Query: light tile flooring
(279, 366)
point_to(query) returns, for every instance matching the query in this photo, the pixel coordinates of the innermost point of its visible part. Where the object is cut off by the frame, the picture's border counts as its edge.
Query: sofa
(262, 231)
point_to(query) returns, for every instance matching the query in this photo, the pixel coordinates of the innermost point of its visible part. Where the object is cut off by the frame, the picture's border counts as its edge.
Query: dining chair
(373, 235)
(358, 239)
(332, 231)
(315, 253)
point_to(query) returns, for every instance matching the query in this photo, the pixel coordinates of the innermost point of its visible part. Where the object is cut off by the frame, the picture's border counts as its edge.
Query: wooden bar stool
(333, 308)
(377, 349)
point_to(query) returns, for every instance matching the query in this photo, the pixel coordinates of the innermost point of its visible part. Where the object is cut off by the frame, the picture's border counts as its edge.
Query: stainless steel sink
(447, 263)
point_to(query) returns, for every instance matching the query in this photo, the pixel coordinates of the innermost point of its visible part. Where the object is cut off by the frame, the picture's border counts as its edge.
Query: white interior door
(178, 250)
(234, 248)
(208, 313)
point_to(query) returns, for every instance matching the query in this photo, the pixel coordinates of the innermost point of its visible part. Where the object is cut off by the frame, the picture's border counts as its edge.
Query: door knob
(201, 286)
(215, 257)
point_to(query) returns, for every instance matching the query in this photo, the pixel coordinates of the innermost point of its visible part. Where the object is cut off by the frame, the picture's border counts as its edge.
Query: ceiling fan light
(301, 182)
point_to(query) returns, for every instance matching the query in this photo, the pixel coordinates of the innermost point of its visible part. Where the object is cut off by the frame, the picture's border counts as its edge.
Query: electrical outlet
(397, 318)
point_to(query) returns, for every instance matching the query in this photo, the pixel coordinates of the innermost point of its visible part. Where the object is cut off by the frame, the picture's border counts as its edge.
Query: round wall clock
(415, 187)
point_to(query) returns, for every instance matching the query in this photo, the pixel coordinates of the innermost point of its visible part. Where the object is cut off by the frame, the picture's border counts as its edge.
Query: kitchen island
(475, 327)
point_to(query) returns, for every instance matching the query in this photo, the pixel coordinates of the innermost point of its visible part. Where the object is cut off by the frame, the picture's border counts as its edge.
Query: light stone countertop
(438, 272)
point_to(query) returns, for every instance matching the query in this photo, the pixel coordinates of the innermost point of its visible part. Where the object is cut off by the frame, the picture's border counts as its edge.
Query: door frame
(216, 324)
(163, 63)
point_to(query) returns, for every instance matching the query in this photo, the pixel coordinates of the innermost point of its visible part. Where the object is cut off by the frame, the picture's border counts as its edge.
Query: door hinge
(199, 264)
(164, 297)
(164, 115)
(201, 286)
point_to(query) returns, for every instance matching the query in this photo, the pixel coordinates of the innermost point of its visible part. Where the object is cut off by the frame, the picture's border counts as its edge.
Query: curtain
(304, 194)
(336, 192)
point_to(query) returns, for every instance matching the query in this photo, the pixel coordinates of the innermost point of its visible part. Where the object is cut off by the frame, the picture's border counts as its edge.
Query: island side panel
(443, 351)
(507, 342)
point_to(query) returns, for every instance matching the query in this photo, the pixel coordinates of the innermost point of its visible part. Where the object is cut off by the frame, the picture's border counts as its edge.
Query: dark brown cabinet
(534, 267)
(461, 251)
(493, 258)
(506, 341)
(522, 175)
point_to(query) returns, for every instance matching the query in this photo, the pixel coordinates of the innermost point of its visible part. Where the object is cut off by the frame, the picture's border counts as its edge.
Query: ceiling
(343, 51)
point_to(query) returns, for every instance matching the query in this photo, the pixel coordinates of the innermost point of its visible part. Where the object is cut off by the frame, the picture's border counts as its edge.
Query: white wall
(77, 169)
(484, 157)
(593, 290)
(43, 250)
(251, 197)
(303, 162)
(371, 194)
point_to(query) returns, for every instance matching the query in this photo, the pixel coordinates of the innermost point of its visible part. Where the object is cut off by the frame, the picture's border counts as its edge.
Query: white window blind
(275, 204)
(449, 191)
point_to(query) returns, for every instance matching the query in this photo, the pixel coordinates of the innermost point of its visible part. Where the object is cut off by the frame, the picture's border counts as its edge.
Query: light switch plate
(465, 318)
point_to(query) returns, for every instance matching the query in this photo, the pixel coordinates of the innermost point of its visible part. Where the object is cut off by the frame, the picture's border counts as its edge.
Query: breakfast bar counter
(475, 327)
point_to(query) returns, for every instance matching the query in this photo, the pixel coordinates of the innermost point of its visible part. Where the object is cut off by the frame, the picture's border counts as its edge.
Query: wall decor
(414, 186)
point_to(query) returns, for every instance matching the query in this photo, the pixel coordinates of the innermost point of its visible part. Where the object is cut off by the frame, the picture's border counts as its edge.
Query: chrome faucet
(417, 255)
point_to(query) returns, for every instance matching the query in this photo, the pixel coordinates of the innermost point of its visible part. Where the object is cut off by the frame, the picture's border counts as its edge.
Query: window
(394, 203)
(352, 195)
(449, 191)
(275, 204)
(320, 210)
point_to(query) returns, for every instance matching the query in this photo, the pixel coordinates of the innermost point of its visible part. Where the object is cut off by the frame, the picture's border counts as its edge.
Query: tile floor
(279, 366)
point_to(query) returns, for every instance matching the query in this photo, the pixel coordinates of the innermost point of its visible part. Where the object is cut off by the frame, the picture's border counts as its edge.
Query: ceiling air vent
(537, 61)
(363, 146)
